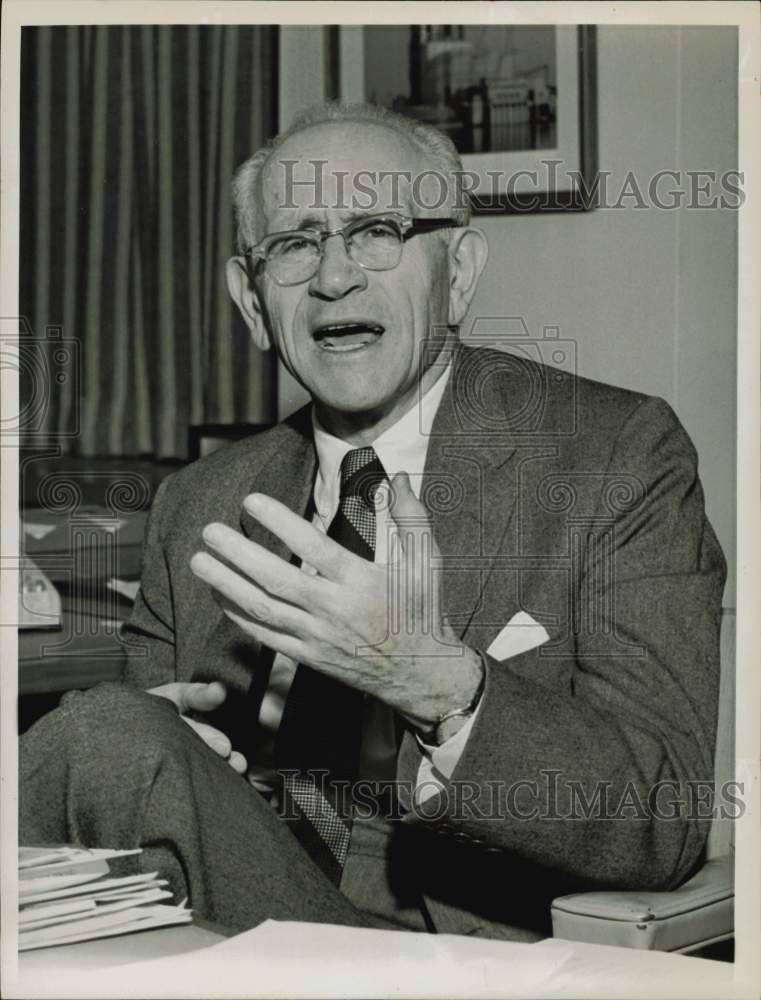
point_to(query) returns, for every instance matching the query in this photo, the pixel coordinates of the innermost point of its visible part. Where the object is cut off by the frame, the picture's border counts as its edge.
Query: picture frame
(527, 133)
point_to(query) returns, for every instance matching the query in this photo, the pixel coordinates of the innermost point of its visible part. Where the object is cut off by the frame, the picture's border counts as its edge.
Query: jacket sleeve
(598, 776)
(149, 633)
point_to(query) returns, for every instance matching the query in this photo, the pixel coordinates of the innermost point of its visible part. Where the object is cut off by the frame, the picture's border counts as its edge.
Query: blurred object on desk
(90, 558)
(83, 521)
(39, 604)
(86, 543)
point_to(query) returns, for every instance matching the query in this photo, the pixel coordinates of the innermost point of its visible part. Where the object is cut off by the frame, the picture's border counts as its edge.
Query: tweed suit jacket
(570, 500)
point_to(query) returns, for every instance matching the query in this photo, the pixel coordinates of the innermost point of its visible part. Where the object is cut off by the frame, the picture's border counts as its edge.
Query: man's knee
(110, 723)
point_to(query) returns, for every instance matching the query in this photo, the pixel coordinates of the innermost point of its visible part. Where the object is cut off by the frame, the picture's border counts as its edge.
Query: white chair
(698, 913)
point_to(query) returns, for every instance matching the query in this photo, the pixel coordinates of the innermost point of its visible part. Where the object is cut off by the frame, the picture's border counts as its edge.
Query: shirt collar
(401, 448)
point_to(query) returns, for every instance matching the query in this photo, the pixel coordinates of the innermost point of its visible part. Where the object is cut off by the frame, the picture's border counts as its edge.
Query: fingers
(212, 737)
(278, 577)
(411, 519)
(406, 509)
(419, 564)
(280, 642)
(254, 603)
(238, 762)
(204, 697)
(330, 559)
(196, 697)
(219, 743)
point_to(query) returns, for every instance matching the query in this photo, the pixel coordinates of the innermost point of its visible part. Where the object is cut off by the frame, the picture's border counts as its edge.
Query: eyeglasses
(373, 241)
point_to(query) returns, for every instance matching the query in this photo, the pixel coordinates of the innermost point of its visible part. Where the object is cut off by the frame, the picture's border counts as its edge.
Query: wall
(649, 296)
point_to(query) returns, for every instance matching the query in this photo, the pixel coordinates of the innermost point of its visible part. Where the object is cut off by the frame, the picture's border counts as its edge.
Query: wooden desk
(48, 663)
(80, 552)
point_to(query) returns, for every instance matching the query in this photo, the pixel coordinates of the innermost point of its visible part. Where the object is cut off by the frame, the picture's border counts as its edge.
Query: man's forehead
(346, 166)
(352, 146)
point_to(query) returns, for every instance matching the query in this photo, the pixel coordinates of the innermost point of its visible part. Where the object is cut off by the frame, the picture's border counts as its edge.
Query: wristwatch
(447, 725)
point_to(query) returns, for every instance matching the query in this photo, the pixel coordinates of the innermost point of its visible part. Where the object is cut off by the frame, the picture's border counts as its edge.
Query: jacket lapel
(285, 472)
(287, 476)
(469, 491)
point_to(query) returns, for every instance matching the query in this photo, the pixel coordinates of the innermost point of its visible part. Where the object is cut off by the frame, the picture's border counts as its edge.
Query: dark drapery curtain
(130, 136)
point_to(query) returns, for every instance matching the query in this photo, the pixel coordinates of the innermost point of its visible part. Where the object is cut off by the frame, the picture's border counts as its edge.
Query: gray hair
(438, 148)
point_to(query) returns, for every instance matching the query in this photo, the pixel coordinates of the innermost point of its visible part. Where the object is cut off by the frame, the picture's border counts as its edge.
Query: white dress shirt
(401, 448)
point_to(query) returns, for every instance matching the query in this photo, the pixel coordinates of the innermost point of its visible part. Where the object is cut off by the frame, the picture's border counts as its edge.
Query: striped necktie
(318, 742)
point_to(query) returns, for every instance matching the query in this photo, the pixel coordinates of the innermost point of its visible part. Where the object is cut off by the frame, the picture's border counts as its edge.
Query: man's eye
(380, 231)
(293, 245)
(377, 232)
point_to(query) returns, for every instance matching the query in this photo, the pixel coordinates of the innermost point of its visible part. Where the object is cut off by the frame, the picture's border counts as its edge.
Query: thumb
(412, 522)
(406, 510)
(203, 697)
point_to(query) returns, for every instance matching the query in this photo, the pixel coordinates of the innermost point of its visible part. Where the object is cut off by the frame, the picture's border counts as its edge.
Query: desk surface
(80, 552)
(68, 658)
(119, 950)
(322, 962)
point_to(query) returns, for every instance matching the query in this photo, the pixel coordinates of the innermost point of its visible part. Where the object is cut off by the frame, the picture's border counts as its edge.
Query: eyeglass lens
(372, 243)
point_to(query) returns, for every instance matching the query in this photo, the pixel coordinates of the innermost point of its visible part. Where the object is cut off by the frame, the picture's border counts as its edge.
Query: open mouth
(348, 336)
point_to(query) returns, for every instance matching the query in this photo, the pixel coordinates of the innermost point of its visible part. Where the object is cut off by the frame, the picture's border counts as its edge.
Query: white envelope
(520, 634)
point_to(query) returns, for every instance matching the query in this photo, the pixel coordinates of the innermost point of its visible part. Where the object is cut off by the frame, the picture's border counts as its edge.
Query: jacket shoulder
(227, 474)
(528, 396)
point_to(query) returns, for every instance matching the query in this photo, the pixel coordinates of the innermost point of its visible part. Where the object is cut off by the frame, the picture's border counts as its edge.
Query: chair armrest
(697, 913)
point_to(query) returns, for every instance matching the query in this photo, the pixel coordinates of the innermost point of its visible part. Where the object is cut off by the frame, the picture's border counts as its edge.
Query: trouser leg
(115, 767)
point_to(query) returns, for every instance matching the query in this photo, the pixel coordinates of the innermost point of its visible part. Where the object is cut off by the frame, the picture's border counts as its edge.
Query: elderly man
(437, 648)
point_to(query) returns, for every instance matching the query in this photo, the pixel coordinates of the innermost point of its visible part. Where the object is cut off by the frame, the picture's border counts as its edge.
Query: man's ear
(468, 252)
(246, 298)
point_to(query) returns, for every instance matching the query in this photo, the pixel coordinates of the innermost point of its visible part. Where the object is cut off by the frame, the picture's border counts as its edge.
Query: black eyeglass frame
(409, 226)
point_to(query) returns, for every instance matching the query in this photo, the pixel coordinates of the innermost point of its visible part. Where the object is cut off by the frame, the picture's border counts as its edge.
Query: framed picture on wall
(518, 101)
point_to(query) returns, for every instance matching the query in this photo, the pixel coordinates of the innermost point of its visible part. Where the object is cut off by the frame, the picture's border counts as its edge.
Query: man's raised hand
(376, 628)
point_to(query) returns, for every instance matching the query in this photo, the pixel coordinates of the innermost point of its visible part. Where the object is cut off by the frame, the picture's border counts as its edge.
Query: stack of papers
(66, 894)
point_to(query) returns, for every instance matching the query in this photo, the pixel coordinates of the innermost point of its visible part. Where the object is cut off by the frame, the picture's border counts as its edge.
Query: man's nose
(337, 274)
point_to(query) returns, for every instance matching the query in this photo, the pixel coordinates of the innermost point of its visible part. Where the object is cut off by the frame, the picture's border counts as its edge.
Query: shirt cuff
(439, 762)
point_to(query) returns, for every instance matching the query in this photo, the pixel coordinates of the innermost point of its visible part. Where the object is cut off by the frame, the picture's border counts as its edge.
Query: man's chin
(357, 388)
(359, 404)
(353, 403)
